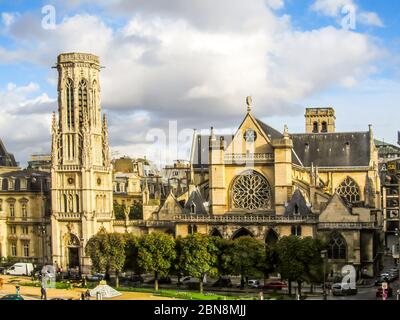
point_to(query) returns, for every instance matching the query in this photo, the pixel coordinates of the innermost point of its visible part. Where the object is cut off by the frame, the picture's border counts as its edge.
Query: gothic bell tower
(81, 169)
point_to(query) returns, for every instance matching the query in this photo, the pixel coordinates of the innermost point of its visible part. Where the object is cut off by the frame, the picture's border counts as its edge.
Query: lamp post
(324, 254)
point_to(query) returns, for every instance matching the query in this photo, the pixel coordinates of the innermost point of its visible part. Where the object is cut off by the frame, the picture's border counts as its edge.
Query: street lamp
(324, 254)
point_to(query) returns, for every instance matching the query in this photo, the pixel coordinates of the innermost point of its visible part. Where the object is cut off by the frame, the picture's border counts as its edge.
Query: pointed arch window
(324, 127)
(315, 127)
(337, 248)
(77, 203)
(94, 101)
(349, 190)
(83, 101)
(70, 103)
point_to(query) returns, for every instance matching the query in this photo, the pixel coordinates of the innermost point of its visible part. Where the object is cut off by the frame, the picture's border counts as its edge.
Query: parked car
(222, 283)
(20, 269)
(253, 284)
(95, 277)
(161, 280)
(383, 278)
(187, 280)
(394, 272)
(339, 290)
(11, 297)
(275, 285)
(389, 291)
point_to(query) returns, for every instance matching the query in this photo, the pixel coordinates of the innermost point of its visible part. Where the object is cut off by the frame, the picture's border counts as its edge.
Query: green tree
(136, 211)
(270, 261)
(156, 254)
(224, 256)
(198, 257)
(312, 260)
(247, 258)
(298, 259)
(119, 211)
(132, 244)
(107, 252)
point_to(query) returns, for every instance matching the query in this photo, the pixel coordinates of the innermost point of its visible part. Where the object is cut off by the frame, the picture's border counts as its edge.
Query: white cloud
(275, 4)
(8, 18)
(193, 63)
(25, 121)
(371, 19)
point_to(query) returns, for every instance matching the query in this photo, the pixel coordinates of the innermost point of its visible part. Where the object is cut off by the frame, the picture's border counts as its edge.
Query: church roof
(198, 201)
(333, 149)
(6, 159)
(299, 201)
(273, 133)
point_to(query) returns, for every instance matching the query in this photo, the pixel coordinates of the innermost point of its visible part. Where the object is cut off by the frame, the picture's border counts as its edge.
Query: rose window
(251, 191)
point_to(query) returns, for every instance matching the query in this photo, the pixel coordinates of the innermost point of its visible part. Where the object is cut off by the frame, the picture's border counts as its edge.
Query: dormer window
(296, 209)
(193, 208)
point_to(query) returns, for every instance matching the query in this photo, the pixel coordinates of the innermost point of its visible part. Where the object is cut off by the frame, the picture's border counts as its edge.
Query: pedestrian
(43, 292)
(87, 294)
(1, 283)
(17, 288)
(83, 296)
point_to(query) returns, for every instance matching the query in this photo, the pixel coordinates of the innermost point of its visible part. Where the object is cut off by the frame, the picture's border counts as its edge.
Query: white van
(20, 269)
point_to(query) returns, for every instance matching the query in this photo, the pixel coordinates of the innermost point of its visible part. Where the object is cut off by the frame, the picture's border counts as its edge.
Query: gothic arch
(271, 237)
(70, 102)
(337, 247)
(83, 101)
(349, 190)
(215, 233)
(242, 232)
(250, 191)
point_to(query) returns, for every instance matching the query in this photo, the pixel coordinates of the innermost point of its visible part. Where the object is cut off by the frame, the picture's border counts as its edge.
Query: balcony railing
(248, 157)
(144, 223)
(244, 219)
(69, 167)
(347, 225)
(68, 216)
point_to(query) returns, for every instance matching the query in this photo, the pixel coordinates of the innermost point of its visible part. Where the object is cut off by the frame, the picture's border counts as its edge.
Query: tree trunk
(156, 281)
(299, 288)
(116, 279)
(290, 287)
(241, 282)
(201, 286)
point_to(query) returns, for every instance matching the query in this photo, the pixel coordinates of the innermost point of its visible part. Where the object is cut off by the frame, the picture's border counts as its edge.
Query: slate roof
(6, 159)
(299, 201)
(348, 149)
(333, 149)
(273, 133)
(201, 149)
(196, 199)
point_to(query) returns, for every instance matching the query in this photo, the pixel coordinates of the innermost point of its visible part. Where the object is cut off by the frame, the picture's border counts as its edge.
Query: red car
(275, 285)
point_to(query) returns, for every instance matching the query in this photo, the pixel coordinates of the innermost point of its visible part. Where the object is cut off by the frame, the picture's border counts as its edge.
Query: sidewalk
(33, 293)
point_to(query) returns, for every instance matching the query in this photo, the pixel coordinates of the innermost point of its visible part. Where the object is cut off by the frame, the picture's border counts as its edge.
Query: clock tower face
(250, 135)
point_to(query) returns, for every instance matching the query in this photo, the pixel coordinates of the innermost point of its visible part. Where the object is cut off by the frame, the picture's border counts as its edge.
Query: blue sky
(195, 61)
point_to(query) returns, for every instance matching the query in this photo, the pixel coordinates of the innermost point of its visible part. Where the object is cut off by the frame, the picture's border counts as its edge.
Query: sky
(172, 66)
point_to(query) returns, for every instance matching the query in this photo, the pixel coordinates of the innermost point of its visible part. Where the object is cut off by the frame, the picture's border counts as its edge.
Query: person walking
(1, 283)
(43, 291)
